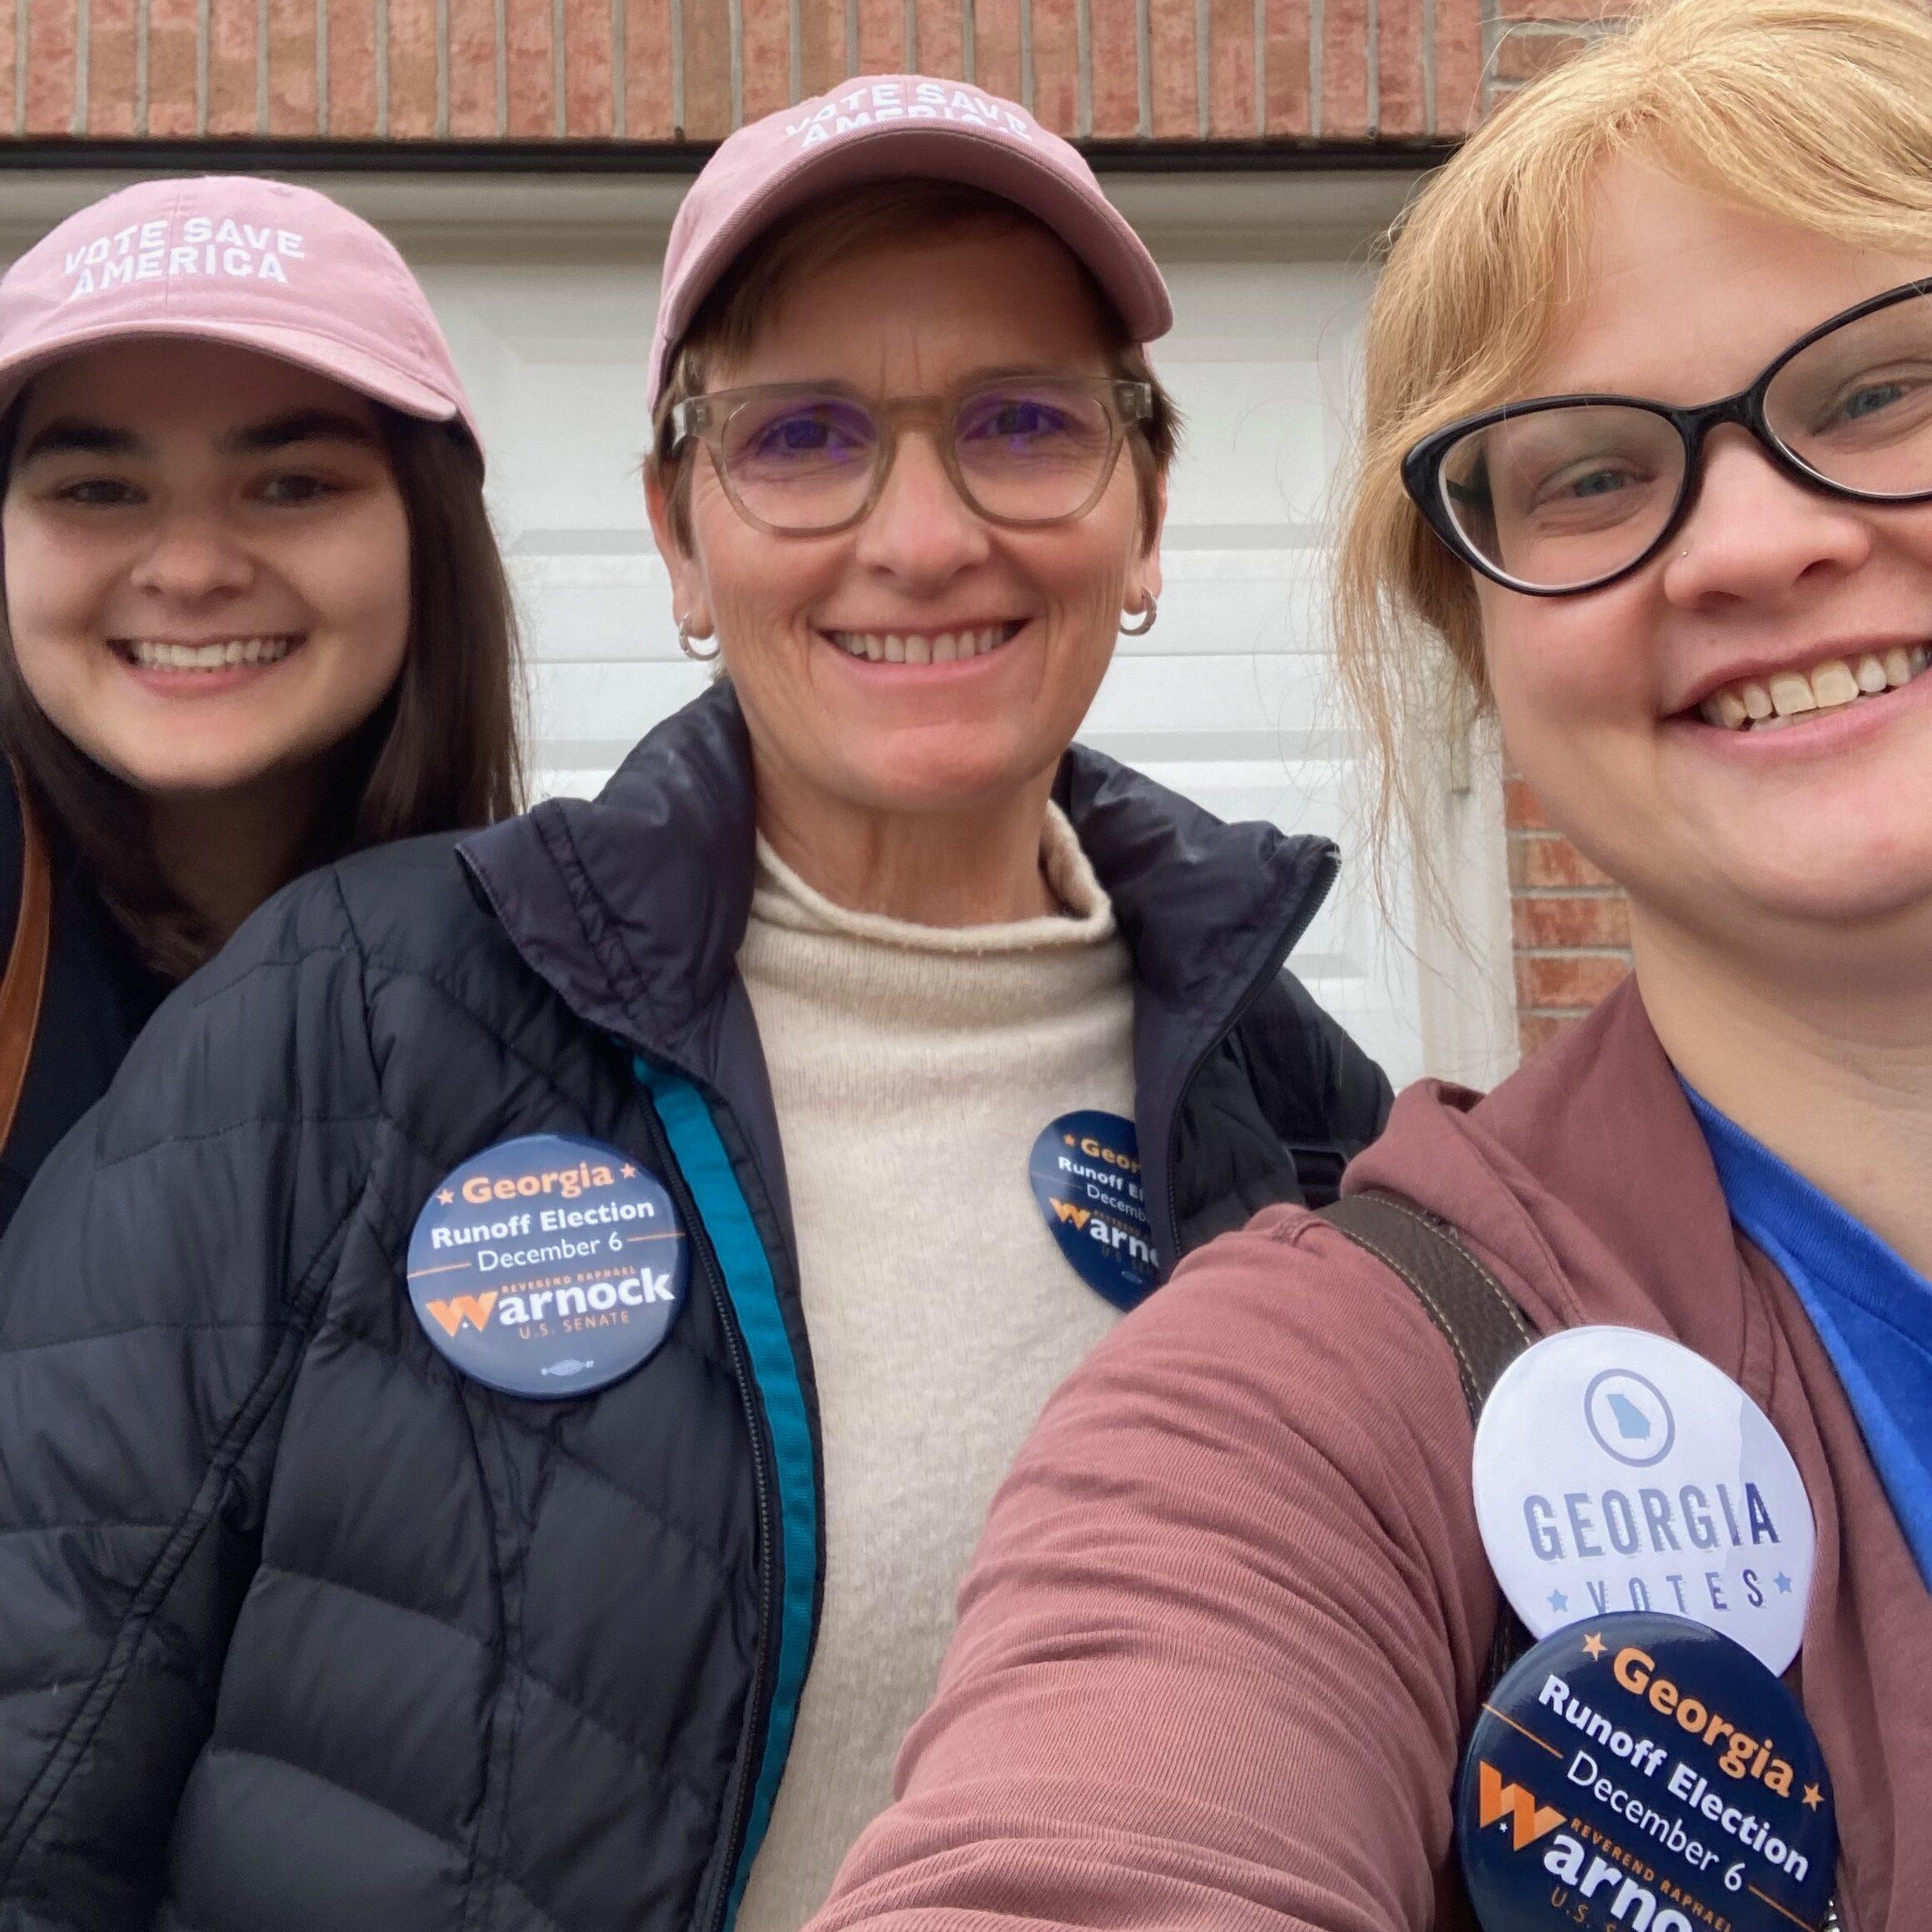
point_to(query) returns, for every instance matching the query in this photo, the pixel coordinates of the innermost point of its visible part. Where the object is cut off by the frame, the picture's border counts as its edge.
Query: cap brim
(1090, 225)
(356, 369)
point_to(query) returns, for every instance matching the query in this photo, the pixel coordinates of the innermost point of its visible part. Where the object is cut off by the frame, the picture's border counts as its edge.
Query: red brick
(823, 61)
(1561, 10)
(291, 68)
(1538, 862)
(231, 69)
(111, 53)
(1523, 810)
(412, 70)
(1535, 1030)
(941, 27)
(1566, 982)
(590, 96)
(1402, 112)
(881, 37)
(1458, 65)
(767, 61)
(473, 66)
(171, 33)
(1113, 54)
(707, 70)
(647, 69)
(1584, 918)
(1231, 70)
(1287, 55)
(529, 55)
(1056, 101)
(351, 67)
(51, 45)
(1524, 55)
(1344, 57)
(1176, 99)
(996, 45)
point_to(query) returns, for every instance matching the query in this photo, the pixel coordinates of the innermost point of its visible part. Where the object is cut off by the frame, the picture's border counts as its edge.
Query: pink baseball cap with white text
(261, 264)
(897, 127)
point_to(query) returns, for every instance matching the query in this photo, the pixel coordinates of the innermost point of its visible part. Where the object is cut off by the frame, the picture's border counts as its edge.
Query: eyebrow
(77, 434)
(300, 425)
(80, 435)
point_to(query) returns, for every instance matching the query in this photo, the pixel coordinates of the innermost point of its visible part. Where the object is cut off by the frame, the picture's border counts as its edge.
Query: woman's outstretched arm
(1216, 1648)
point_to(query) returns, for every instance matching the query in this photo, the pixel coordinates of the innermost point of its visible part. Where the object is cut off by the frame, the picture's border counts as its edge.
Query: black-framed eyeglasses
(807, 459)
(1568, 493)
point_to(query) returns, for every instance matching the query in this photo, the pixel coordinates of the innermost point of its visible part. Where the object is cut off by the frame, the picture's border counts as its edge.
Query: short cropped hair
(843, 225)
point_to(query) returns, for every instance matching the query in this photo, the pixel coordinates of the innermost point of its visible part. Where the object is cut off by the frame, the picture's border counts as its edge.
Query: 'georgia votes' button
(1615, 1471)
(548, 1266)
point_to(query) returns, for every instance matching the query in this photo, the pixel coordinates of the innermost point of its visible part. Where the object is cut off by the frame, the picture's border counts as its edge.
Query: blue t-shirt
(1872, 1310)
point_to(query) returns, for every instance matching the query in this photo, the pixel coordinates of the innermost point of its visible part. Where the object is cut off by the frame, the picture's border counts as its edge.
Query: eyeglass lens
(1560, 498)
(1025, 451)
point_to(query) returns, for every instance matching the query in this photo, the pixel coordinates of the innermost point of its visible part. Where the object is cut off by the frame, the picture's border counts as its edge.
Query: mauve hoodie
(1228, 1622)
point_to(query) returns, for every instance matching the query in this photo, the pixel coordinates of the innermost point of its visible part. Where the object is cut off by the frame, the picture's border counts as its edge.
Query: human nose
(192, 555)
(1754, 534)
(921, 530)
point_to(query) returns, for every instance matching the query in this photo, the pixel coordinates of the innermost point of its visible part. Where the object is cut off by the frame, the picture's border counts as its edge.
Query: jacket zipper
(1286, 939)
(745, 1782)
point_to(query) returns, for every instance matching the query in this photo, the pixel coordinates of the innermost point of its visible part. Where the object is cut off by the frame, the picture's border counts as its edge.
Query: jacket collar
(633, 907)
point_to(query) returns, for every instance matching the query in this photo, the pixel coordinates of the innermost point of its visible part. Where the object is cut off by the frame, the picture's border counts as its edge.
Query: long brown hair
(440, 752)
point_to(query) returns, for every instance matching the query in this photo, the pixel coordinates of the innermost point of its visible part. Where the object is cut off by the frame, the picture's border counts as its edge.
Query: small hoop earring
(1146, 617)
(684, 645)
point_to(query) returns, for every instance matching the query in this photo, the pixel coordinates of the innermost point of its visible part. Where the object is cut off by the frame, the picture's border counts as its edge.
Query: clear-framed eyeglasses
(1565, 494)
(810, 459)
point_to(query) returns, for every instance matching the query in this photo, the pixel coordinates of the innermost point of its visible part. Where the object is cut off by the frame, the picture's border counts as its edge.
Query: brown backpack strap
(1484, 1327)
(26, 977)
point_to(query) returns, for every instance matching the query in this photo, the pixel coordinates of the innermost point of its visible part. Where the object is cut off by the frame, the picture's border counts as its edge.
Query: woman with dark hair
(254, 616)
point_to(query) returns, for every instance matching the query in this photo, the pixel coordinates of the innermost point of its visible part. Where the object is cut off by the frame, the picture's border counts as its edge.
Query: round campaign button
(1642, 1770)
(1617, 1471)
(1085, 1171)
(548, 1266)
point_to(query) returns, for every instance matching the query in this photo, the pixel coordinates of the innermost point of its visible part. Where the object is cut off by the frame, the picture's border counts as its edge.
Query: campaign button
(1643, 1771)
(548, 1266)
(1085, 1171)
(1615, 1471)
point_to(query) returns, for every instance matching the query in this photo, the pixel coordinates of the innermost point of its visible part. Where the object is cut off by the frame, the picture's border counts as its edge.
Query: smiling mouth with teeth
(1770, 704)
(909, 648)
(152, 654)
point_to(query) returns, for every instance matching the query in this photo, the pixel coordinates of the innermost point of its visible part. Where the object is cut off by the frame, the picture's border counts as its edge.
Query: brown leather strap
(1483, 1324)
(26, 980)
(1477, 1316)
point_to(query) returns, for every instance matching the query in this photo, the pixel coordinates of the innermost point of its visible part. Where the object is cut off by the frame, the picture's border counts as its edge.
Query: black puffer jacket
(300, 1628)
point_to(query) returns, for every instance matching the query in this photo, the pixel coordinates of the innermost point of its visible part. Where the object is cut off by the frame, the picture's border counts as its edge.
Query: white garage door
(546, 289)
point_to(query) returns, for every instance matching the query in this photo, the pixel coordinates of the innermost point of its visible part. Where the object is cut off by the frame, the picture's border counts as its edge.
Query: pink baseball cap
(263, 265)
(896, 126)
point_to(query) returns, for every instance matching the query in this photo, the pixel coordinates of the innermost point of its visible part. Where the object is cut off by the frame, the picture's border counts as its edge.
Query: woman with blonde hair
(1647, 472)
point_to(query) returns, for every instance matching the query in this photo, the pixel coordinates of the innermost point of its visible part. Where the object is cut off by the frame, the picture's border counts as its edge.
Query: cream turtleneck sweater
(912, 1067)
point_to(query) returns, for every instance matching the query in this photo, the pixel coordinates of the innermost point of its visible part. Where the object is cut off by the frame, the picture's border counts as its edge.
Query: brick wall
(1286, 72)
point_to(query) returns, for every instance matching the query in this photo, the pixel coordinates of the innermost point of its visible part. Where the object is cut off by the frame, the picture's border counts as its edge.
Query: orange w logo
(1068, 1212)
(474, 1308)
(1495, 1799)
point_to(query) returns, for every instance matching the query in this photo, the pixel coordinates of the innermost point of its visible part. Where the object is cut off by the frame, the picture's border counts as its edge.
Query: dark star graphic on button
(1558, 1601)
(1784, 1584)
(1593, 1645)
